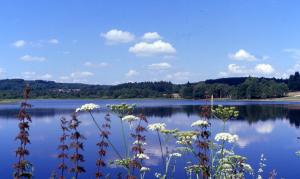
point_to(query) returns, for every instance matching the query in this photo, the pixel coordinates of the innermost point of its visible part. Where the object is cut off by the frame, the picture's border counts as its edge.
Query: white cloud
(132, 73)
(116, 36)
(151, 36)
(258, 70)
(153, 48)
(96, 65)
(242, 55)
(81, 74)
(19, 43)
(29, 58)
(236, 69)
(182, 76)
(160, 66)
(53, 41)
(33, 75)
(264, 69)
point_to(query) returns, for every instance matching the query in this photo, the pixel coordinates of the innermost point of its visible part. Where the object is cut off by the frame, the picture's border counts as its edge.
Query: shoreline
(287, 99)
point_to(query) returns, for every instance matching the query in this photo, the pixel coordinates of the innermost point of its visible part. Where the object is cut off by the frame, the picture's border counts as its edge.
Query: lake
(269, 128)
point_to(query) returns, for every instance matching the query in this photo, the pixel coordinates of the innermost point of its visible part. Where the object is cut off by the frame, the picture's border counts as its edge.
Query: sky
(112, 42)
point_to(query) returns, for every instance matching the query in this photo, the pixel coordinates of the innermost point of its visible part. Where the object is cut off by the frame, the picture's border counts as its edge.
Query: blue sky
(110, 42)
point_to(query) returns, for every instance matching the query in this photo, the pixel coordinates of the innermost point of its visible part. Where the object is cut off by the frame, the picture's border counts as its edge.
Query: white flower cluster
(142, 156)
(139, 142)
(175, 155)
(247, 167)
(157, 126)
(200, 123)
(88, 107)
(144, 169)
(186, 139)
(130, 118)
(223, 136)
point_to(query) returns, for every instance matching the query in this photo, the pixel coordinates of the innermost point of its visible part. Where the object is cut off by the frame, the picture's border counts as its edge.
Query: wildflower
(142, 156)
(225, 152)
(247, 167)
(157, 175)
(88, 107)
(166, 131)
(223, 136)
(185, 137)
(139, 142)
(175, 155)
(130, 118)
(144, 169)
(157, 126)
(200, 123)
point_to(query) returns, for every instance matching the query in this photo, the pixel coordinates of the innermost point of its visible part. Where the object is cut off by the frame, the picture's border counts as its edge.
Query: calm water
(270, 128)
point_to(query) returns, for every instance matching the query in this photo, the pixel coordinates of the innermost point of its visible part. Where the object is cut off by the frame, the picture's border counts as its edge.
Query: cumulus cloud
(257, 70)
(116, 36)
(242, 55)
(96, 65)
(29, 58)
(160, 66)
(152, 48)
(236, 69)
(53, 41)
(264, 69)
(132, 73)
(151, 36)
(19, 43)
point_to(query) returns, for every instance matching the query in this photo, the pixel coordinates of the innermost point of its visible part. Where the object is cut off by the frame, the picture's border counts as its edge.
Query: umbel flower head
(142, 156)
(144, 169)
(121, 109)
(175, 154)
(200, 123)
(157, 126)
(130, 118)
(88, 107)
(223, 136)
(225, 113)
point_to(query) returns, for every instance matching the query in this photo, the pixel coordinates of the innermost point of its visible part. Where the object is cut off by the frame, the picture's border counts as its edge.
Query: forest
(232, 88)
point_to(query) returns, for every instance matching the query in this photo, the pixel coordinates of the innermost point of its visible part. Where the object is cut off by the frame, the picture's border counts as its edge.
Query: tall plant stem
(161, 149)
(124, 139)
(110, 143)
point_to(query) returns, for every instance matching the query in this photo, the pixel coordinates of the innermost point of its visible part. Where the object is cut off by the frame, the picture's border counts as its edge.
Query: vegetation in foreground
(210, 157)
(232, 88)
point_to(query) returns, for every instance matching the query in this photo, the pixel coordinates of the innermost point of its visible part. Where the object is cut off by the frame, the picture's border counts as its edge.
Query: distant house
(176, 95)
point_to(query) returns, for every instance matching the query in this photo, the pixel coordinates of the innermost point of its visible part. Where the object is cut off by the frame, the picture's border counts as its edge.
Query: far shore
(289, 98)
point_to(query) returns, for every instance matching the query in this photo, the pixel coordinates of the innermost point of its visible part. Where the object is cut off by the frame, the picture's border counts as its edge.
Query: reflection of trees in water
(35, 113)
(250, 113)
(294, 117)
(254, 113)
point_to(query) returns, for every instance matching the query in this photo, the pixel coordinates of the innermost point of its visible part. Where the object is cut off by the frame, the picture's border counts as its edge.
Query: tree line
(233, 88)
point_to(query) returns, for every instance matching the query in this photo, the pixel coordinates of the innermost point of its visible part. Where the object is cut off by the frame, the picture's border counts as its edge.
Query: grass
(8, 101)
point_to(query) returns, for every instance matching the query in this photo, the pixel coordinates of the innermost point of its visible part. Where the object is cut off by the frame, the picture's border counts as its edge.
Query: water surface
(266, 127)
